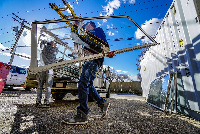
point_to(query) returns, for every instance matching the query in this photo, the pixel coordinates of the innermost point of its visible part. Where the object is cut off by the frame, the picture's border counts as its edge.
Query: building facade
(178, 54)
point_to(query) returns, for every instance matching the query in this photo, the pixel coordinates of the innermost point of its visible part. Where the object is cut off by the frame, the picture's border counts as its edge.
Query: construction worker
(85, 84)
(47, 56)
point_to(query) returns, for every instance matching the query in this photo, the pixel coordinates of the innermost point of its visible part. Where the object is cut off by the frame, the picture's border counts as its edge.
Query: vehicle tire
(10, 88)
(27, 89)
(58, 96)
(108, 93)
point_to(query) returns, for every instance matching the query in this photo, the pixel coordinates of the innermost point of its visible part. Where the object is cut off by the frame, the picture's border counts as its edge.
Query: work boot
(104, 109)
(38, 104)
(46, 104)
(78, 119)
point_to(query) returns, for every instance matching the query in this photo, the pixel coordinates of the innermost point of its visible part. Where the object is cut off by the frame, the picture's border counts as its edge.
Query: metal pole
(142, 30)
(168, 90)
(176, 89)
(174, 82)
(82, 59)
(33, 63)
(79, 55)
(197, 4)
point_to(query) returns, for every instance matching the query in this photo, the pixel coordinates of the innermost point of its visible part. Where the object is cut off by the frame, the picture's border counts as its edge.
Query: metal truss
(44, 29)
(93, 18)
(35, 69)
(23, 26)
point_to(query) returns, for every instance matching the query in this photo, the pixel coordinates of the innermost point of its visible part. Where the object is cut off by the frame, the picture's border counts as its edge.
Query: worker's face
(89, 27)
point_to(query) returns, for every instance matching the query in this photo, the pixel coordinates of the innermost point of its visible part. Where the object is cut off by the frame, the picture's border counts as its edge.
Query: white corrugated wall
(181, 23)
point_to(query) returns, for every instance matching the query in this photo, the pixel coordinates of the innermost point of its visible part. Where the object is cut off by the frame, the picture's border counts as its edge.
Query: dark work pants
(85, 86)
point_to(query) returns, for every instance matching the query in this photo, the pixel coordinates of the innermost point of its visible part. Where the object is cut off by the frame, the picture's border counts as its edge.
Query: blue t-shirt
(99, 33)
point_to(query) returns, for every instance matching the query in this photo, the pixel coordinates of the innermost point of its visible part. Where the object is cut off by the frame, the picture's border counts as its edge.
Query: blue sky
(148, 12)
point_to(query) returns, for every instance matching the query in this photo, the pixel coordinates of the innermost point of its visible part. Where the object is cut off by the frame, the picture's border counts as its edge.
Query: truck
(66, 81)
(16, 77)
(4, 71)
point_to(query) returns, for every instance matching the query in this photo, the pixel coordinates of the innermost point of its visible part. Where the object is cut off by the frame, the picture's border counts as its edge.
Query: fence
(131, 87)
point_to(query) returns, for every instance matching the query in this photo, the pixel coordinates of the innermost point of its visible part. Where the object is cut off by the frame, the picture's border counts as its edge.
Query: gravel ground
(128, 114)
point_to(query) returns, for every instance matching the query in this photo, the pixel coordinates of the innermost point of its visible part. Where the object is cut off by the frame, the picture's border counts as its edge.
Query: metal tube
(78, 19)
(142, 30)
(91, 57)
(173, 88)
(33, 61)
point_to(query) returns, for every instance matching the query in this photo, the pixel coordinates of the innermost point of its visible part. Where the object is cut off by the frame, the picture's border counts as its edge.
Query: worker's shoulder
(99, 32)
(99, 29)
(49, 48)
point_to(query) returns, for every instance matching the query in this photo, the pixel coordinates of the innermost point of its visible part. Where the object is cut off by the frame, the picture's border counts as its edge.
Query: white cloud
(150, 27)
(98, 24)
(118, 71)
(104, 20)
(109, 8)
(130, 1)
(5, 53)
(24, 66)
(110, 26)
(115, 4)
(51, 25)
(4, 50)
(110, 33)
(134, 78)
(1, 46)
(125, 72)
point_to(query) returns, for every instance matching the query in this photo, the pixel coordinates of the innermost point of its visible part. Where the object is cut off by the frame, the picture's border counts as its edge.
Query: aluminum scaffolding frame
(33, 65)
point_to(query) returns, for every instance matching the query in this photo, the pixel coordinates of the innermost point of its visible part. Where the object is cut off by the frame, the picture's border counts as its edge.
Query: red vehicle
(4, 71)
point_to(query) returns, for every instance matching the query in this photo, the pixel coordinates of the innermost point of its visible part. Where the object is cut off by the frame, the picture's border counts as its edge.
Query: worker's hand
(43, 42)
(111, 54)
(54, 44)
